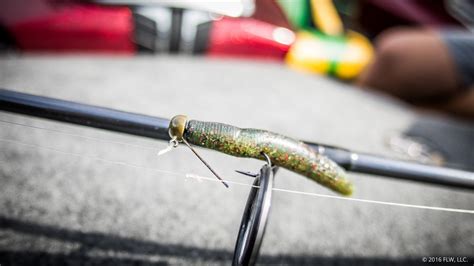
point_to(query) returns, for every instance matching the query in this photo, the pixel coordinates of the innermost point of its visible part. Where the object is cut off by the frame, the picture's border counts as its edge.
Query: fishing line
(186, 175)
(199, 178)
(346, 198)
(376, 201)
(77, 135)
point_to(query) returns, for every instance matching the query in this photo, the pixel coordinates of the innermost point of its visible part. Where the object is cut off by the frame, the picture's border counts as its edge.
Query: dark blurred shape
(145, 33)
(377, 15)
(176, 26)
(412, 64)
(7, 41)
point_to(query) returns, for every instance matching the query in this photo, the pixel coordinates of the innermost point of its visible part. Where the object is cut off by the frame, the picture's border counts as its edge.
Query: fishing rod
(244, 143)
(157, 128)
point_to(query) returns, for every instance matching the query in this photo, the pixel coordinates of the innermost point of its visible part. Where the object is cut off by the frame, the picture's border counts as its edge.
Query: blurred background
(391, 78)
(416, 50)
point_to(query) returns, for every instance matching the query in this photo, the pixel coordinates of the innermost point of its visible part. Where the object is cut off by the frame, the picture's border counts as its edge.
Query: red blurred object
(45, 26)
(248, 37)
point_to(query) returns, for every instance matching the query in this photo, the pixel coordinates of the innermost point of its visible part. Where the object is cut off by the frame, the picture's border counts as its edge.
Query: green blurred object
(343, 57)
(323, 45)
(298, 12)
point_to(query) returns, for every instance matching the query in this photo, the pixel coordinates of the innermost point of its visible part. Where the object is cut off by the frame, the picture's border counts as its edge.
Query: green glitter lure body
(283, 151)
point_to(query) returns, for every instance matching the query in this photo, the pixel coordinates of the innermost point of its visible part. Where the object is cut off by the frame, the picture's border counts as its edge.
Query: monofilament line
(433, 208)
(344, 198)
(77, 135)
(376, 201)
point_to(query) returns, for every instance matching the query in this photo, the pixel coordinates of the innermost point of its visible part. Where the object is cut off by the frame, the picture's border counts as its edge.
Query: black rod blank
(83, 114)
(370, 164)
(157, 128)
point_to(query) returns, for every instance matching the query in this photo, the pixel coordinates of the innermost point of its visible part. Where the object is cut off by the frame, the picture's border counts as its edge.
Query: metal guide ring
(254, 218)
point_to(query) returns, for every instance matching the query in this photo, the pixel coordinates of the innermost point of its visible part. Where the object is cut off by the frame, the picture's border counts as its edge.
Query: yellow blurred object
(307, 54)
(342, 56)
(326, 18)
(357, 55)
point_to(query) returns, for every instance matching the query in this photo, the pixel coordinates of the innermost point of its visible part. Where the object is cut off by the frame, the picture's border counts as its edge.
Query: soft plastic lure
(251, 143)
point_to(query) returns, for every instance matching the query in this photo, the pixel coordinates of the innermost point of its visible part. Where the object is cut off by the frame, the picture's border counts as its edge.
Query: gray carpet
(60, 208)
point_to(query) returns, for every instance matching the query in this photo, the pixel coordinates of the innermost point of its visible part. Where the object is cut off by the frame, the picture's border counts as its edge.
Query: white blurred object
(232, 8)
(414, 149)
(284, 35)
